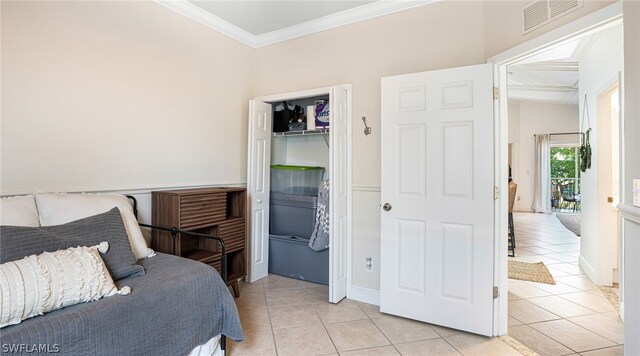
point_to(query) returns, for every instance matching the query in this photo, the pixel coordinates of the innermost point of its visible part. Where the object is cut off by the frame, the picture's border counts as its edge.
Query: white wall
(527, 119)
(119, 95)
(361, 54)
(598, 71)
(169, 75)
(441, 35)
(630, 214)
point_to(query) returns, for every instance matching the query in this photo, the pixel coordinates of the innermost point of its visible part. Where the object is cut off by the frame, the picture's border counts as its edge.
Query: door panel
(437, 175)
(338, 191)
(258, 186)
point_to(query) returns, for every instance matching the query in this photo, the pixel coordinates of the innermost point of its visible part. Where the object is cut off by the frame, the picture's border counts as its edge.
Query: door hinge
(496, 193)
(496, 93)
(496, 293)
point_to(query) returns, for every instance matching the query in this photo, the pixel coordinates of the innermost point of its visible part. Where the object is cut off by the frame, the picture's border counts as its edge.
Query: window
(565, 178)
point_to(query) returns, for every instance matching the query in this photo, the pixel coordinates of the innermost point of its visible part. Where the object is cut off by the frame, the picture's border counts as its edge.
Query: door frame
(597, 21)
(610, 253)
(298, 94)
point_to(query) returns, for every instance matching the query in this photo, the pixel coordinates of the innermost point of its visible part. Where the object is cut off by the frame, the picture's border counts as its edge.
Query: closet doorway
(327, 147)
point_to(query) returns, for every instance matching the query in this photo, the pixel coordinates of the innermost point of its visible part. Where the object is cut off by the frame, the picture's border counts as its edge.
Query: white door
(338, 190)
(437, 243)
(258, 188)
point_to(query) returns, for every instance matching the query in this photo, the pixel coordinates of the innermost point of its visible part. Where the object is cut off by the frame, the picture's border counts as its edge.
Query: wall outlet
(636, 192)
(368, 264)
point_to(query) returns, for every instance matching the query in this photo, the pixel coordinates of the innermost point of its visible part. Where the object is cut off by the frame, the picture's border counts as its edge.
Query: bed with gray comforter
(175, 306)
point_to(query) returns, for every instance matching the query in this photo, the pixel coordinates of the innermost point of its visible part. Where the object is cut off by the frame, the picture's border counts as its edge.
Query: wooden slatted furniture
(215, 211)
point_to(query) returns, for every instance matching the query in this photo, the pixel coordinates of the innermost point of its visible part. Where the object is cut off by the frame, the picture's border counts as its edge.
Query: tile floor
(570, 317)
(283, 316)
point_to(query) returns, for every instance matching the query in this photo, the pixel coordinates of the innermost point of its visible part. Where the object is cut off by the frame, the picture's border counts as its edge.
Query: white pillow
(19, 211)
(58, 209)
(39, 284)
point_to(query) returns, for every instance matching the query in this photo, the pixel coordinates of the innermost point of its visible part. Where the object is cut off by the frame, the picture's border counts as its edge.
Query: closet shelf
(302, 133)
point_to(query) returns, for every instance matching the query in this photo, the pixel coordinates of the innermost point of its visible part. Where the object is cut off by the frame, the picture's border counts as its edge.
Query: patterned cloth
(320, 237)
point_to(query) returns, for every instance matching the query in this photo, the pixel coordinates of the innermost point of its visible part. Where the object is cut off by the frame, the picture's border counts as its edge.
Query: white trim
(501, 175)
(356, 14)
(130, 191)
(349, 16)
(630, 212)
(587, 268)
(185, 8)
(349, 242)
(366, 188)
(299, 94)
(365, 295)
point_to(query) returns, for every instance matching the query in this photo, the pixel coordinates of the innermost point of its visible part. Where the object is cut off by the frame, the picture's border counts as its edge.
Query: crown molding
(349, 16)
(185, 8)
(356, 14)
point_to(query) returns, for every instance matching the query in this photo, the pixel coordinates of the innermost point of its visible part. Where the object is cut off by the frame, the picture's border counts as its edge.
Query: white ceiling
(264, 22)
(259, 17)
(550, 76)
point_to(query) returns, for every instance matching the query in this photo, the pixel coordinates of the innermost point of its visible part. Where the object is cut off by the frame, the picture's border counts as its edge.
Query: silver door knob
(386, 207)
(259, 201)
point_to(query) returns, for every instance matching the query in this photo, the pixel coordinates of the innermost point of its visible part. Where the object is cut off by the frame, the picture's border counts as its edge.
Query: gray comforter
(177, 305)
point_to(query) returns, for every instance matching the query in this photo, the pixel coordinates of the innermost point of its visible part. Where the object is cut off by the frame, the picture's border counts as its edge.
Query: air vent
(541, 12)
(535, 15)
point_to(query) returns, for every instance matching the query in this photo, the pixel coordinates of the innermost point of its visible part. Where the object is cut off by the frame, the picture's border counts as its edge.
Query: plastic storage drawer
(292, 215)
(292, 257)
(296, 180)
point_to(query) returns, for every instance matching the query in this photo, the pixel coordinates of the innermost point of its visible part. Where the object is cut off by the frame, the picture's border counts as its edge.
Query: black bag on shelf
(281, 119)
(284, 117)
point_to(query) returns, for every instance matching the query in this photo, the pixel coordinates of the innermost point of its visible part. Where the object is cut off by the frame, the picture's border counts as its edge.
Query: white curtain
(541, 175)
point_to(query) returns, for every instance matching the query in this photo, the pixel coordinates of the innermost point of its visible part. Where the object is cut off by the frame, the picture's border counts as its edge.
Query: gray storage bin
(292, 257)
(292, 215)
(298, 180)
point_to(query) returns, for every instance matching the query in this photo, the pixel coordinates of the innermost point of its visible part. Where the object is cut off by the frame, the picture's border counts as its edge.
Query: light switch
(636, 192)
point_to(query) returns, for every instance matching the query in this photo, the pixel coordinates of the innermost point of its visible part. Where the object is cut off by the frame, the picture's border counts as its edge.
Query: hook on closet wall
(367, 129)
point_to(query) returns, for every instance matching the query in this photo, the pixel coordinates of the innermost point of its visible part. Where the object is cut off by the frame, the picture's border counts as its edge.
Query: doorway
(602, 20)
(608, 118)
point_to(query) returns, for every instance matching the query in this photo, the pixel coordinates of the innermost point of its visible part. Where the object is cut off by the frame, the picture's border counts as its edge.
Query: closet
(297, 154)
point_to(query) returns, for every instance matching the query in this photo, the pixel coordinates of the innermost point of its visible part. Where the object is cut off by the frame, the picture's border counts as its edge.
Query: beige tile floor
(282, 316)
(570, 317)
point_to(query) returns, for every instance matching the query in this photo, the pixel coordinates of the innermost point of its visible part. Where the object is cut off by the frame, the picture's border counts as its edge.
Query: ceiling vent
(541, 12)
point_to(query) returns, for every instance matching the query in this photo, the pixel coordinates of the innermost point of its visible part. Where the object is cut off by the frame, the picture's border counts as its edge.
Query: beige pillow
(39, 284)
(58, 209)
(19, 211)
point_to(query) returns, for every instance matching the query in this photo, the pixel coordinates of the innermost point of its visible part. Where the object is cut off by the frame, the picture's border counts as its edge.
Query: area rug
(533, 272)
(571, 222)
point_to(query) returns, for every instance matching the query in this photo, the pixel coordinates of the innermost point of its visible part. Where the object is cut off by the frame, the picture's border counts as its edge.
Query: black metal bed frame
(174, 232)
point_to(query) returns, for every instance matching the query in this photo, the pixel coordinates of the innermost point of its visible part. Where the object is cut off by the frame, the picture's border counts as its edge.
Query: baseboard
(622, 310)
(587, 268)
(365, 295)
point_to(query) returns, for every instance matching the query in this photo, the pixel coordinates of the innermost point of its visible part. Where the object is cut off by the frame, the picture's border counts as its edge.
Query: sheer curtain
(541, 175)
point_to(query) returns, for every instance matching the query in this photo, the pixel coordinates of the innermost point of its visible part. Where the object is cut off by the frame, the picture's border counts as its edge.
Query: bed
(178, 307)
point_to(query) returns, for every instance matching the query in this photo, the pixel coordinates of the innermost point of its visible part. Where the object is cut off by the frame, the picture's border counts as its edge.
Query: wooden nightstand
(216, 211)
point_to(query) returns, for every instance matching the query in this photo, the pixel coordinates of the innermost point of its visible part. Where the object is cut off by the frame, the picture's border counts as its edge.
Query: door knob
(259, 201)
(609, 199)
(386, 207)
